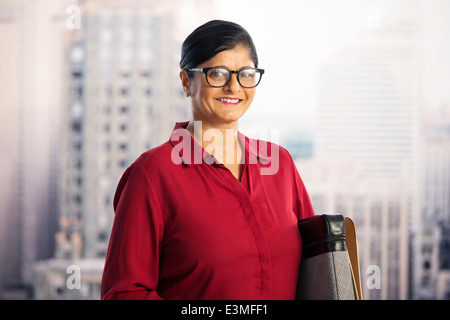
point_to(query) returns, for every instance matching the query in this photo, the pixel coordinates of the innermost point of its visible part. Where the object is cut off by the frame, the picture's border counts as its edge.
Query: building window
(123, 163)
(124, 91)
(76, 126)
(77, 109)
(77, 92)
(106, 19)
(106, 73)
(77, 199)
(107, 146)
(148, 74)
(108, 91)
(126, 54)
(145, 20)
(125, 74)
(106, 36)
(105, 54)
(393, 216)
(126, 20)
(79, 181)
(126, 36)
(375, 215)
(124, 109)
(77, 74)
(76, 54)
(123, 146)
(150, 110)
(145, 54)
(107, 109)
(77, 145)
(123, 127)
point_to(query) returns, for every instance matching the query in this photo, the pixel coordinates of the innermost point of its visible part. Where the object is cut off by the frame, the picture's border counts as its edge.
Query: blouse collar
(191, 152)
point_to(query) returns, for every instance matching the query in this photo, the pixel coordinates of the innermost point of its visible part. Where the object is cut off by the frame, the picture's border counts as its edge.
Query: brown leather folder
(329, 269)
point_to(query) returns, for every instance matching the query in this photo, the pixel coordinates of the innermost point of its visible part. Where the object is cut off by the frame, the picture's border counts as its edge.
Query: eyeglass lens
(219, 77)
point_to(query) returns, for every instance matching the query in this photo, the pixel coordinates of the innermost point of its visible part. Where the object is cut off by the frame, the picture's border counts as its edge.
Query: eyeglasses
(218, 77)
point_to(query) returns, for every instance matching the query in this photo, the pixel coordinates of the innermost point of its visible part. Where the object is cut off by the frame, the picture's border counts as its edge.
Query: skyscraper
(368, 116)
(434, 253)
(123, 98)
(30, 57)
(122, 101)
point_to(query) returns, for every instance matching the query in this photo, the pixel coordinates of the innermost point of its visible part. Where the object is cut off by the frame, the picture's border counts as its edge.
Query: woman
(199, 222)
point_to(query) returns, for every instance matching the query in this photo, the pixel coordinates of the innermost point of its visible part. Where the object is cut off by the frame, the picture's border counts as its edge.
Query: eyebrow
(230, 68)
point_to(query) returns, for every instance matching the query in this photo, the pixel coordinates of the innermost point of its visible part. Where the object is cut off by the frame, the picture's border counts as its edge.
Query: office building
(434, 250)
(30, 61)
(368, 116)
(123, 97)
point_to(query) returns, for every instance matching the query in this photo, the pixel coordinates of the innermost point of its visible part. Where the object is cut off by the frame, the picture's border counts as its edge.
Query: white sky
(296, 34)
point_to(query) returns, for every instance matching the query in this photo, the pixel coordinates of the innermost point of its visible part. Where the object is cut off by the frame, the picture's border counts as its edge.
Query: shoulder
(154, 159)
(269, 149)
(274, 159)
(154, 155)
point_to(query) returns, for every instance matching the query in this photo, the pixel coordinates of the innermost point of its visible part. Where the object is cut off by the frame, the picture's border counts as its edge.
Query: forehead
(234, 59)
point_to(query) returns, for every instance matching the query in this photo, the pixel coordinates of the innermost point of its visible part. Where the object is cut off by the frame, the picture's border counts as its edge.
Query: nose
(233, 85)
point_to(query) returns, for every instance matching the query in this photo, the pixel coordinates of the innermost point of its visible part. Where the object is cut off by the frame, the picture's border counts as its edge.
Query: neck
(221, 140)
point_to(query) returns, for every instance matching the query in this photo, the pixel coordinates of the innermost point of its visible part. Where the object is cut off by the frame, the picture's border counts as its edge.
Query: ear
(185, 82)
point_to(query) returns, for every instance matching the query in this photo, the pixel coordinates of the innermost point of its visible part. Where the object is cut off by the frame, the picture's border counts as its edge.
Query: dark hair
(211, 38)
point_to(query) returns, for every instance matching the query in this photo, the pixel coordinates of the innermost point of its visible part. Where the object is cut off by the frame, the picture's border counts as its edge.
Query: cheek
(200, 91)
(204, 93)
(250, 93)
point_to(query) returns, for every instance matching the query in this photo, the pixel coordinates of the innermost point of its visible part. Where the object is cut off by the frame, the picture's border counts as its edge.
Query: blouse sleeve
(132, 261)
(301, 202)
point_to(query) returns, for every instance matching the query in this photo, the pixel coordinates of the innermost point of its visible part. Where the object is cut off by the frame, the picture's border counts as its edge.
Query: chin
(231, 117)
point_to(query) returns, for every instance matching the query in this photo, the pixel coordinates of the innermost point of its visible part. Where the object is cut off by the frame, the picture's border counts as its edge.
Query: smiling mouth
(230, 101)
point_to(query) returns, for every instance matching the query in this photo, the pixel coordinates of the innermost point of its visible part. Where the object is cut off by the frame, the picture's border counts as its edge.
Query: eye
(247, 73)
(217, 73)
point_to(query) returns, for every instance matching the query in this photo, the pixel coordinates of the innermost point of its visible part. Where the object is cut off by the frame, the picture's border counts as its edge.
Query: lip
(229, 103)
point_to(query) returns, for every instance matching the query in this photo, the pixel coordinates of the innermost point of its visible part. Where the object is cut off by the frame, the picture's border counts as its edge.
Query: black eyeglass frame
(205, 71)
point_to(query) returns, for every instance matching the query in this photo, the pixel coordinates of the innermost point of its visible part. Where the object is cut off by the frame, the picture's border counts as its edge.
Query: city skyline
(369, 117)
(322, 28)
(38, 107)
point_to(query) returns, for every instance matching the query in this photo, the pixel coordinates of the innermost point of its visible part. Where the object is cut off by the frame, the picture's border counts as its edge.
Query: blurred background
(358, 91)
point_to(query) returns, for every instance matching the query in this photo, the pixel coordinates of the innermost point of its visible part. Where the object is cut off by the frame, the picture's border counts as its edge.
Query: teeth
(229, 100)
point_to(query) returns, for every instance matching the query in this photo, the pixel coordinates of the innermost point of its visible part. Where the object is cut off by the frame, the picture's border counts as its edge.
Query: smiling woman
(217, 97)
(189, 225)
(210, 57)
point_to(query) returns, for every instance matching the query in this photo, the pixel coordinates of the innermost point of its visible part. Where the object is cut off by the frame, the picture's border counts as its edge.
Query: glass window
(77, 54)
(126, 19)
(145, 54)
(123, 146)
(126, 36)
(105, 54)
(145, 36)
(77, 109)
(106, 36)
(124, 109)
(145, 20)
(106, 19)
(123, 127)
(126, 54)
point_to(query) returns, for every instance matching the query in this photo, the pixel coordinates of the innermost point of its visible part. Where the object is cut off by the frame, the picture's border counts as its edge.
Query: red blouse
(186, 228)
